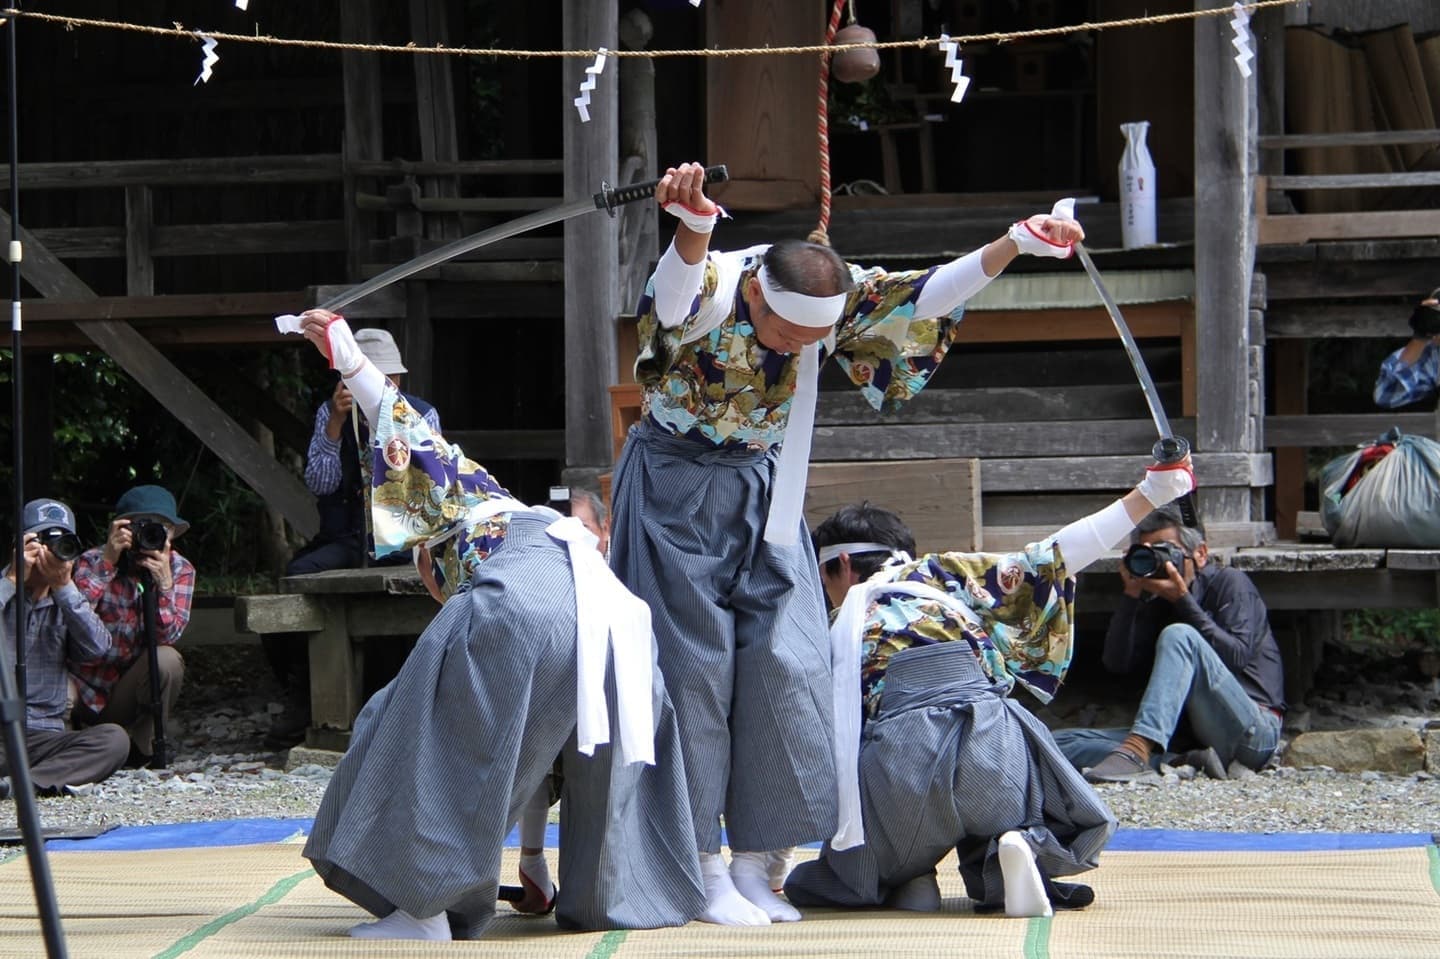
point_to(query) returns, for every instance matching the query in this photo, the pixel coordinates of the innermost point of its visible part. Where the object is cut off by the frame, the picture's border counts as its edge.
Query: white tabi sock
(751, 874)
(921, 894)
(401, 925)
(778, 863)
(724, 905)
(1024, 892)
(535, 869)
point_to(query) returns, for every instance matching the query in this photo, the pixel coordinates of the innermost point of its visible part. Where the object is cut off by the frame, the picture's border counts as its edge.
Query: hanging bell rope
(821, 233)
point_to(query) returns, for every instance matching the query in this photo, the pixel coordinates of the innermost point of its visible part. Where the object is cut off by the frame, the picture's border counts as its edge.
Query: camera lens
(149, 535)
(64, 546)
(1142, 561)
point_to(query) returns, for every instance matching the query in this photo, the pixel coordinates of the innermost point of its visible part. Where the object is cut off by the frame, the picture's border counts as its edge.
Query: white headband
(817, 312)
(827, 553)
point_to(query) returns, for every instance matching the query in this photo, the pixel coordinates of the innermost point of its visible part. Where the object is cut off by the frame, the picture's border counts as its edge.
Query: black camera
(1147, 561)
(1425, 322)
(148, 534)
(65, 546)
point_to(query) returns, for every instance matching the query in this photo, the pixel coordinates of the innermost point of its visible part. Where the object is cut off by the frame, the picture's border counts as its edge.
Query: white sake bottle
(1137, 187)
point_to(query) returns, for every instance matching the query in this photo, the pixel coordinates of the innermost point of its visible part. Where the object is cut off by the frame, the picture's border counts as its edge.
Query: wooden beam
(978, 404)
(1368, 138)
(1342, 429)
(455, 167)
(1292, 383)
(1048, 438)
(1081, 472)
(181, 397)
(1146, 320)
(1309, 227)
(1304, 321)
(592, 243)
(179, 171)
(1224, 253)
(938, 499)
(76, 309)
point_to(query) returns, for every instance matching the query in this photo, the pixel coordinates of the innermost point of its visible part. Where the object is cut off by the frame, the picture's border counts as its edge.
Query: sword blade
(465, 244)
(1142, 372)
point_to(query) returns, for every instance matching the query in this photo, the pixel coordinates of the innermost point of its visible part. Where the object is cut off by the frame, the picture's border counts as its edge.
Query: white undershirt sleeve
(367, 385)
(952, 284)
(1087, 539)
(677, 283)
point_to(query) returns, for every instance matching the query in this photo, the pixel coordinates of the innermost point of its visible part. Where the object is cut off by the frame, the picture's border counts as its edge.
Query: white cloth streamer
(787, 497)
(608, 620)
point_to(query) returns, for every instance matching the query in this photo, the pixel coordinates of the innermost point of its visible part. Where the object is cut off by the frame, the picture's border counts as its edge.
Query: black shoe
(4, 787)
(136, 759)
(1120, 766)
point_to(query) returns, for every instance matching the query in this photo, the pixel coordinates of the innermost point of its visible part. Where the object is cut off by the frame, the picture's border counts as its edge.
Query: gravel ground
(222, 770)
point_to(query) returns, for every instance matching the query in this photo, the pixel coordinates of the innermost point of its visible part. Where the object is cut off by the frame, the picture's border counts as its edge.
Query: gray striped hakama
(950, 763)
(741, 633)
(444, 757)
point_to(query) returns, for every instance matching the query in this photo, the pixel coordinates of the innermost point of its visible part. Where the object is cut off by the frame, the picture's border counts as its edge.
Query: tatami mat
(263, 900)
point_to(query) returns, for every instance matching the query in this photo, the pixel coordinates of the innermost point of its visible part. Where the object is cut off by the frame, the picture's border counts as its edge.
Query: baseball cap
(379, 348)
(47, 514)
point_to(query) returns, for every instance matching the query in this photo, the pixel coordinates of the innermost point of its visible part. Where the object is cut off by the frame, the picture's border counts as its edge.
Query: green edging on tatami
(1433, 851)
(608, 945)
(272, 895)
(1037, 938)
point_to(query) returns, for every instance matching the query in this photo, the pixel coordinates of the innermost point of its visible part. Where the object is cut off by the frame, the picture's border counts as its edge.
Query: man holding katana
(538, 652)
(932, 753)
(707, 506)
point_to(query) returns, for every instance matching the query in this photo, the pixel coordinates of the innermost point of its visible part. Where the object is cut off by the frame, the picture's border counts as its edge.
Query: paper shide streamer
(1244, 52)
(211, 58)
(956, 65)
(592, 72)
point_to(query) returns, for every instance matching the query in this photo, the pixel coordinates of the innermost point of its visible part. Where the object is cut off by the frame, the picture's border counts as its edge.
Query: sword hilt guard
(1173, 449)
(1170, 449)
(610, 197)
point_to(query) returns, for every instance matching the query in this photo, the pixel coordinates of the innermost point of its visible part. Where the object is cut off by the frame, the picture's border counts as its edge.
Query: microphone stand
(12, 706)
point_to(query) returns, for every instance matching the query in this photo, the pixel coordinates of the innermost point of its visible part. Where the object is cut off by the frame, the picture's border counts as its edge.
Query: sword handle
(610, 197)
(1173, 449)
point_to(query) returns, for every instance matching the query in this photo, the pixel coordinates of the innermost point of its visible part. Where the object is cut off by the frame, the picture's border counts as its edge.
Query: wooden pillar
(639, 229)
(761, 111)
(139, 222)
(363, 125)
(1292, 381)
(592, 257)
(1224, 256)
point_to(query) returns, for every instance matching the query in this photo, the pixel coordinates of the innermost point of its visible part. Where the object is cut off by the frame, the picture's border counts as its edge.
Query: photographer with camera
(1203, 633)
(1412, 373)
(60, 629)
(116, 687)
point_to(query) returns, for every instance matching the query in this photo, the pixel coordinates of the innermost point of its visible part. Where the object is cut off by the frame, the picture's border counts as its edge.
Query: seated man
(1412, 373)
(332, 473)
(114, 687)
(60, 629)
(538, 652)
(1201, 632)
(925, 653)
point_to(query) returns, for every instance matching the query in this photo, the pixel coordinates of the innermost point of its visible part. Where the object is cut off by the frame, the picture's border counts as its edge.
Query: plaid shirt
(117, 602)
(59, 629)
(1400, 384)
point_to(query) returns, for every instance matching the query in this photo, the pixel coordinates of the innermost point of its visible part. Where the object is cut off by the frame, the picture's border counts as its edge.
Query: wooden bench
(334, 612)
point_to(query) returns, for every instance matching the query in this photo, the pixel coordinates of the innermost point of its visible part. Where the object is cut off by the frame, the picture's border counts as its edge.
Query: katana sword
(1169, 448)
(607, 199)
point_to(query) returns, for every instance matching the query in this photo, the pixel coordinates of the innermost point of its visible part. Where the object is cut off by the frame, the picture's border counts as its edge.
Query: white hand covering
(1030, 241)
(608, 619)
(845, 636)
(367, 386)
(1087, 539)
(1162, 484)
(345, 354)
(952, 284)
(696, 221)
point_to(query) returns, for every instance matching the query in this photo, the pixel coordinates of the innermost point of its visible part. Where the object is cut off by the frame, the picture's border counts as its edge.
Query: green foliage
(1393, 632)
(861, 105)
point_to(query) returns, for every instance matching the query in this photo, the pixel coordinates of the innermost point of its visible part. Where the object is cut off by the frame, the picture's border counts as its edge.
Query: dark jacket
(1225, 608)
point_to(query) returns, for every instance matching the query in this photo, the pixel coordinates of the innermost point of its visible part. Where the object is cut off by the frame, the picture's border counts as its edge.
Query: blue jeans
(1187, 676)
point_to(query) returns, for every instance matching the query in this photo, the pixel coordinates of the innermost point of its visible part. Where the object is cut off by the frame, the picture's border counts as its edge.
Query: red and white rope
(821, 233)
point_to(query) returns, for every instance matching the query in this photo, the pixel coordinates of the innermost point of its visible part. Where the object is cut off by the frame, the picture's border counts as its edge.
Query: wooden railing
(1308, 227)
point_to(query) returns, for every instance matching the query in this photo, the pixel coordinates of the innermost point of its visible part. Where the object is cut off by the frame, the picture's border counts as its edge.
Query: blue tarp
(239, 832)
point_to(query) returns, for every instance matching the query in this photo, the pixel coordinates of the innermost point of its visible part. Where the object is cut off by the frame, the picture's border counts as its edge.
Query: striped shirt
(59, 629)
